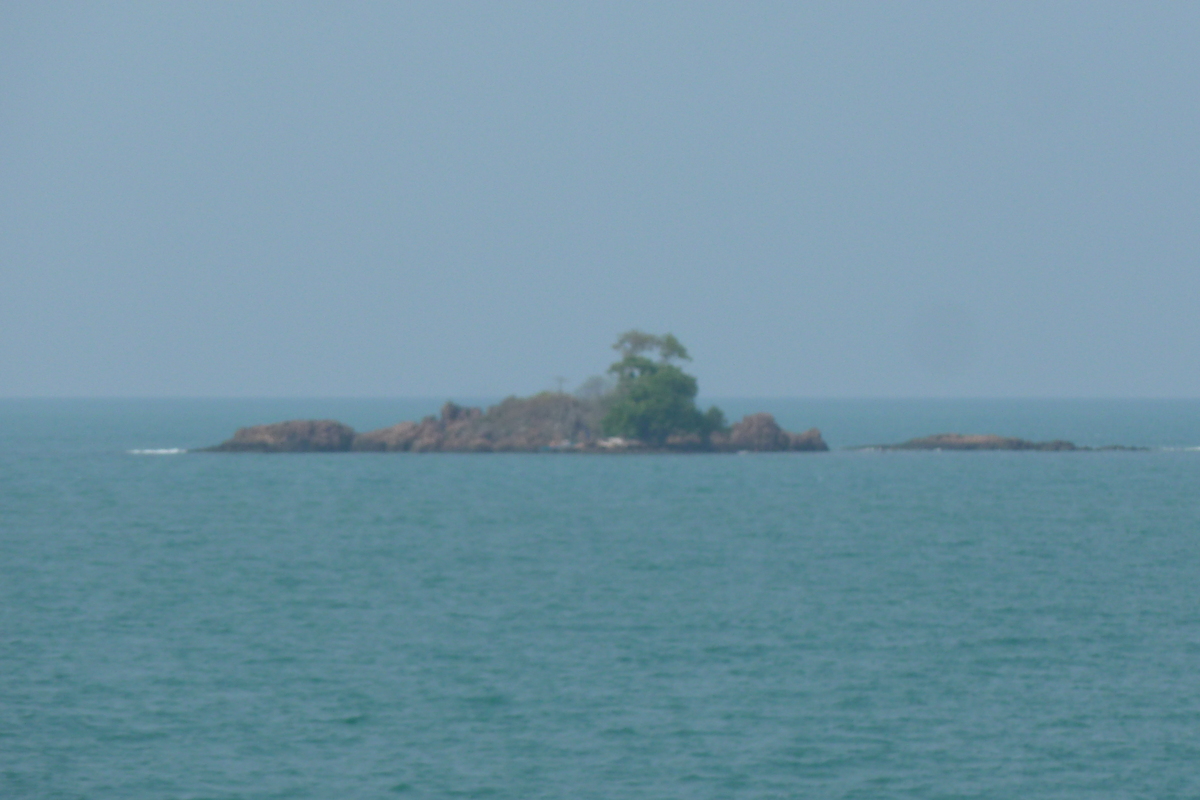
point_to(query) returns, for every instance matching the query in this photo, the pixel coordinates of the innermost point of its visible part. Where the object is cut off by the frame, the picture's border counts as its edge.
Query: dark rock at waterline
(761, 433)
(518, 424)
(960, 441)
(294, 436)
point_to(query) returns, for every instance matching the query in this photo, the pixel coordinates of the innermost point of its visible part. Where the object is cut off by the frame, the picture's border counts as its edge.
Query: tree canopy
(635, 342)
(655, 399)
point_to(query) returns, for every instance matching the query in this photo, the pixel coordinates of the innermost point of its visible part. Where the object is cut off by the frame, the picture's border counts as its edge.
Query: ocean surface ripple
(842, 625)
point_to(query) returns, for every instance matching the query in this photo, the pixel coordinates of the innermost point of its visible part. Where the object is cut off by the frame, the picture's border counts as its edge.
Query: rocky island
(542, 423)
(648, 405)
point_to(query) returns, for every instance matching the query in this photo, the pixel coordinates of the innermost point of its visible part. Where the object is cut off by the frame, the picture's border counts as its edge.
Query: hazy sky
(887, 199)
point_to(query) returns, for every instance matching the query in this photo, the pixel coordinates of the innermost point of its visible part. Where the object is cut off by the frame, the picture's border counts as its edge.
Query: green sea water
(838, 625)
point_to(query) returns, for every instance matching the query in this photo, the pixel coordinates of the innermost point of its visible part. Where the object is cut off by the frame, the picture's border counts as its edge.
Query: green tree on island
(655, 399)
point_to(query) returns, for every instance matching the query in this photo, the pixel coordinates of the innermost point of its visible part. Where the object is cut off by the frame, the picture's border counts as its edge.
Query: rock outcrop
(959, 441)
(294, 436)
(544, 421)
(761, 433)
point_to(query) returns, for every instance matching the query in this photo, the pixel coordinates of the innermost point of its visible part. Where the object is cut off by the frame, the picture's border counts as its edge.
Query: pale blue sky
(887, 199)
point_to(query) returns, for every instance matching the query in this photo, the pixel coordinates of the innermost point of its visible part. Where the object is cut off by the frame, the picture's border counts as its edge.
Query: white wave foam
(165, 451)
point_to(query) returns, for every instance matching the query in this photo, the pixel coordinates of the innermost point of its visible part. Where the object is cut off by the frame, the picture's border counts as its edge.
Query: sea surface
(837, 625)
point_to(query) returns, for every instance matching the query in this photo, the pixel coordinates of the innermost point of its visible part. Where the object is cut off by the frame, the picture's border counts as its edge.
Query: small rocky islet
(542, 423)
(645, 405)
(961, 441)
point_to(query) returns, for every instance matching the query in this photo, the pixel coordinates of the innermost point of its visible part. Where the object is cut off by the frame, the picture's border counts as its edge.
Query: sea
(851, 624)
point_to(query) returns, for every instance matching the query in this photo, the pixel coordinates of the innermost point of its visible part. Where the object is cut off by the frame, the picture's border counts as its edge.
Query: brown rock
(960, 441)
(397, 438)
(810, 441)
(294, 436)
(452, 412)
(761, 433)
(545, 421)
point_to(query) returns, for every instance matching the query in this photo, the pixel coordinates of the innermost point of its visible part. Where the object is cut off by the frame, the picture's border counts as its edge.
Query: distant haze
(885, 199)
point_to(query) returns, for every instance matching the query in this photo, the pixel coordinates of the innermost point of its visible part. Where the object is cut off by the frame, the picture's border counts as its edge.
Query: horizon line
(701, 397)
